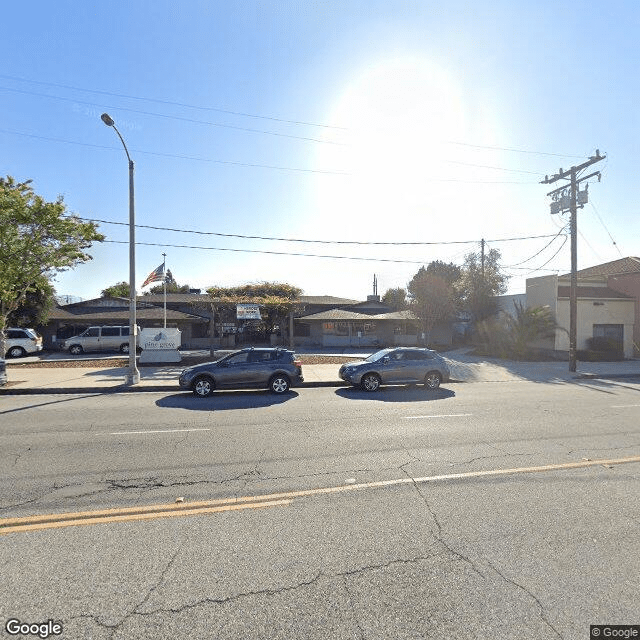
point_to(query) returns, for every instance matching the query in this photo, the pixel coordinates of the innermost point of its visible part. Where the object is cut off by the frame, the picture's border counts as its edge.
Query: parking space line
(444, 415)
(125, 433)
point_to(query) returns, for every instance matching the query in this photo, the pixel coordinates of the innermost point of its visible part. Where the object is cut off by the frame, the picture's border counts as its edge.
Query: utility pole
(569, 198)
(482, 257)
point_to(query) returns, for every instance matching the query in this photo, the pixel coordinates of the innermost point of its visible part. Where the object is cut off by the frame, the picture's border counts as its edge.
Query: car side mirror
(386, 360)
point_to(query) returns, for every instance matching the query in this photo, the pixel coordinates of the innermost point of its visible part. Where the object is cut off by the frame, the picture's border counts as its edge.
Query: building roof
(338, 315)
(614, 268)
(97, 315)
(601, 293)
(396, 315)
(332, 315)
(177, 298)
(329, 300)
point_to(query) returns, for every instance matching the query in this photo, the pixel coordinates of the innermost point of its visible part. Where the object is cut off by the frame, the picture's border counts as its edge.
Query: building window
(301, 330)
(607, 337)
(609, 331)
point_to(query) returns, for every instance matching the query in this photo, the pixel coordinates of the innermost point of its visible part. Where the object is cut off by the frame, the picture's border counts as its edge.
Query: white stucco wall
(610, 312)
(541, 292)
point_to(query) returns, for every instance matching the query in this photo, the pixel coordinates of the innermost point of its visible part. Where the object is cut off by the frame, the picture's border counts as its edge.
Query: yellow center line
(78, 522)
(9, 525)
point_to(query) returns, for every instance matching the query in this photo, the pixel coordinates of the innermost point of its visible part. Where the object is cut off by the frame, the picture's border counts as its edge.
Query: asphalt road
(349, 529)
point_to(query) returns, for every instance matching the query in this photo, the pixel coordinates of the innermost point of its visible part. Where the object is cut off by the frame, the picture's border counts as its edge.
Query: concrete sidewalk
(464, 368)
(23, 380)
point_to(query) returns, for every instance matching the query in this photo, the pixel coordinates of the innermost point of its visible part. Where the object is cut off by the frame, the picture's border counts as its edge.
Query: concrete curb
(148, 388)
(607, 376)
(155, 389)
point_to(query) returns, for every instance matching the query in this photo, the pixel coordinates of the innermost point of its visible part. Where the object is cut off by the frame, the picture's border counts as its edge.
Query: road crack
(438, 536)
(542, 611)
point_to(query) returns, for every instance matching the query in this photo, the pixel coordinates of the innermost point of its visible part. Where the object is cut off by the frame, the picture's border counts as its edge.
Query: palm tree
(528, 325)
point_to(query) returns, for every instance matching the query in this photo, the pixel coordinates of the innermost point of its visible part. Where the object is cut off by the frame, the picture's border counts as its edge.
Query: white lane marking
(124, 433)
(448, 415)
(624, 406)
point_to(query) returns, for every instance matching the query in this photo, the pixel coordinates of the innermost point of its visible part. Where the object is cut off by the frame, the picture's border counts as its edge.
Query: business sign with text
(248, 312)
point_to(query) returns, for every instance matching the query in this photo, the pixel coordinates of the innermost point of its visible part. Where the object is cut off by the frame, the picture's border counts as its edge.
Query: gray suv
(404, 365)
(274, 369)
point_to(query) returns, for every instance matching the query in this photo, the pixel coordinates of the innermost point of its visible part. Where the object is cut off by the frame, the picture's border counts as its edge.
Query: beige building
(608, 304)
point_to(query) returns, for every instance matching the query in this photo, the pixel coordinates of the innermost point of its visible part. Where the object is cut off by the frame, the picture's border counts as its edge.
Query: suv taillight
(298, 363)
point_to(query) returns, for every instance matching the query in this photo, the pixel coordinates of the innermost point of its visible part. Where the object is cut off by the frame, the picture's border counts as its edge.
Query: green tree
(396, 298)
(431, 299)
(36, 306)
(120, 290)
(448, 271)
(37, 240)
(479, 285)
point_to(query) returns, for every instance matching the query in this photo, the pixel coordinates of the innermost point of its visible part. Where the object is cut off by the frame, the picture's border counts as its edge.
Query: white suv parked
(99, 339)
(20, 342)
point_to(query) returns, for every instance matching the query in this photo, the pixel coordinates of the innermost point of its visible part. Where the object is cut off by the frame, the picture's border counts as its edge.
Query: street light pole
(133, 376)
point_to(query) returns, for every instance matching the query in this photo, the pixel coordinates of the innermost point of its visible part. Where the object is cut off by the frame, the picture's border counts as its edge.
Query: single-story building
(69, 320)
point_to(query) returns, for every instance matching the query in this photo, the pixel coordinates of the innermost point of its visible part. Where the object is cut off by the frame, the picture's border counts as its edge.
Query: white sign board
(248, 312)
(159, 339)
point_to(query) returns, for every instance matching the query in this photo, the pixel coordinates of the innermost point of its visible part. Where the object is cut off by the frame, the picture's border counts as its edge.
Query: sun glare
(397, 114)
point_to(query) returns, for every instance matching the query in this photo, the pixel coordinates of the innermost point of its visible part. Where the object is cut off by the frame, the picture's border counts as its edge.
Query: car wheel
(124, 348)
(16, 352)
(432, 380)
(75, 350)
(370, 382)
(279, 384)
(203, 386)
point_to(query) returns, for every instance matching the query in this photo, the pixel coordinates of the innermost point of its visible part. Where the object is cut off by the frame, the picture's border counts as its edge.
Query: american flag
(155, 276)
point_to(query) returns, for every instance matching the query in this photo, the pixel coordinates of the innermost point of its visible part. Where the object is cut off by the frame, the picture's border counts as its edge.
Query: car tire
(124, 347)
(16, 352)
(370, 382)
(432, 380)
(279, 384)
(203, 386)
(75, 350)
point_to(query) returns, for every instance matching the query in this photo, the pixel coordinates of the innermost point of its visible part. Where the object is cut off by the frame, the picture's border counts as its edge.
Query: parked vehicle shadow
(409, 393)
(225, 400)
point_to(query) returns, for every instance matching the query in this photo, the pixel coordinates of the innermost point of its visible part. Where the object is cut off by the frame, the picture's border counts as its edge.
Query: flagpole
(164, 282)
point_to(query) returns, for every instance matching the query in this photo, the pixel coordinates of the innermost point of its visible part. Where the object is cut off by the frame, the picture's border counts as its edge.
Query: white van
(20, 342)
(99, 339)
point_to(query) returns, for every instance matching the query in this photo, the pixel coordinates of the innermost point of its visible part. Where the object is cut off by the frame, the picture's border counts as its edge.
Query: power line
(484, 166)
(179, 118)
(510, 149)
(263, 117)
(595, 210)
(175, 104)
(276, 253)
(517, 264)
(178, 156)
(238, 164)
(541, 268)
(353, 242)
